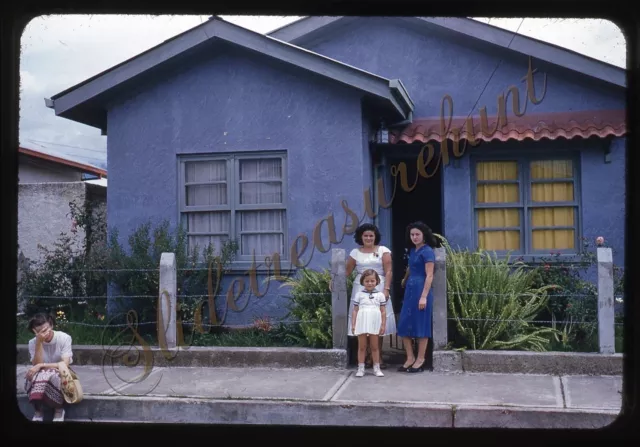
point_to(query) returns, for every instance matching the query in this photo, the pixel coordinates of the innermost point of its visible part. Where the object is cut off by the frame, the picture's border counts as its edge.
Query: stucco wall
(433, 65)
(44, 213)
(234, 102)
(602, 191)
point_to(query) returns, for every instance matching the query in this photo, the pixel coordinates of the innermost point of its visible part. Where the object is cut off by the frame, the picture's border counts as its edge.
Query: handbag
(71, 388)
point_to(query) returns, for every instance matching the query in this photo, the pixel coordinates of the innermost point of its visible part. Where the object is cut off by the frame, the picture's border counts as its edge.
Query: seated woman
(43, 384)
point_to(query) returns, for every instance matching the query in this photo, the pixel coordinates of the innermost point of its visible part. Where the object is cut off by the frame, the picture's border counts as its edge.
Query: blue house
(282, 141)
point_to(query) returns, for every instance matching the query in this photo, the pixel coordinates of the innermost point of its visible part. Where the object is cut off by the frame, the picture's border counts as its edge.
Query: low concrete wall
(522, 362)
(123, 409)
(516, 362)
(207, 356)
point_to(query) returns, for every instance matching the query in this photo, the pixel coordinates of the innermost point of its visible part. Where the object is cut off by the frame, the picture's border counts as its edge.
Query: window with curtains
(527, 205)
(241, 197)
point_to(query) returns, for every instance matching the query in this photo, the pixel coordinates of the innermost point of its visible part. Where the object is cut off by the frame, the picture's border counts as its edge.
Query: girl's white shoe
(376, 371)
(37, 418)
(360, 372)
(58, 417)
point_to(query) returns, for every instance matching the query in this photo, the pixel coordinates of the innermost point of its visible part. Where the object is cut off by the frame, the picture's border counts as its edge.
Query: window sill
(245, 267)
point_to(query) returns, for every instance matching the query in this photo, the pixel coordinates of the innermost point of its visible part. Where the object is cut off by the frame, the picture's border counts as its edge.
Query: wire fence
(83, 299)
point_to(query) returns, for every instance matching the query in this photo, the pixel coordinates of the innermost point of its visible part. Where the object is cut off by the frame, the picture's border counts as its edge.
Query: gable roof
(85, 102)
(88, 169)
(303, 29)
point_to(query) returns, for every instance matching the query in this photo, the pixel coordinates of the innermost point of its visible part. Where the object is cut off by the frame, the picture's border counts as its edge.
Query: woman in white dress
(371, 255)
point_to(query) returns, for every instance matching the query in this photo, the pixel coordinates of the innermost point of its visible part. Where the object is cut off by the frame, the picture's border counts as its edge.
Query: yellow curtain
(552, 239)
(498, 217)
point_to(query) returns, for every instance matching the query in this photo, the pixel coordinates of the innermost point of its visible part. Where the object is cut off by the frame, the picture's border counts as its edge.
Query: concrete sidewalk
(316, 396)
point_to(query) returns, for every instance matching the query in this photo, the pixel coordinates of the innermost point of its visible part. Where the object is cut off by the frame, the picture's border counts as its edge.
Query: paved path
(327, 396)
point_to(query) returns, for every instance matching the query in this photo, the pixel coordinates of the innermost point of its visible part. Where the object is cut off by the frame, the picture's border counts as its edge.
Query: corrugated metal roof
(582, 124)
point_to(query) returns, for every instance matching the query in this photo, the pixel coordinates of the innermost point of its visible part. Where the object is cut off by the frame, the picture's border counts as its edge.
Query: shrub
(310, 307)
(493, 302)
(573, 304)
(77, 267)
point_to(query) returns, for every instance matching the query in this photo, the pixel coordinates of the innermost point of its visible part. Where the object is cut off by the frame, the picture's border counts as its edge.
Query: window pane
(203, 195)
(497, 170)
(263, 244)
(498, 218)
(211, 222)
(271, 220)
(260, 193)
(261, 169)
(550, 240)
(507, 193)
(202, 242)
(552, 192)
(553, 217)
(205, 171)
(551, 169)
(499, 240)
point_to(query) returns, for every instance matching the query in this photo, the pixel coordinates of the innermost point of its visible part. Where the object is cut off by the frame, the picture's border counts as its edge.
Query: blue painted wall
(432, 65)
(232, 101)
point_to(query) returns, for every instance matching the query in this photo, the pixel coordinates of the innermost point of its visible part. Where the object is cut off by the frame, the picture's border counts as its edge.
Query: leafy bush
(310, 307)
(77, 267)
(494, 301)
(138, 273)
(573, 304)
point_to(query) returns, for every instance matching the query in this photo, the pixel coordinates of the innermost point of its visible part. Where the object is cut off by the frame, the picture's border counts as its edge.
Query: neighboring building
(39, 167)
(241, 135)
(47, 184)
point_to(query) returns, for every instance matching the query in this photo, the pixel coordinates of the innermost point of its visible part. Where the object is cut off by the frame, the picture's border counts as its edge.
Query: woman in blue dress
(417, 307)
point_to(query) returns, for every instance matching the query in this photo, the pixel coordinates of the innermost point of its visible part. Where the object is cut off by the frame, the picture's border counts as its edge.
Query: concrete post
(439, 286)
(339, 306)
(167, 301)
(606, 311)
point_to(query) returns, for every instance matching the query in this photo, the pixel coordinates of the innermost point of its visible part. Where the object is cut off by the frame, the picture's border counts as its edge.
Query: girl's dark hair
(367, 227)
(427, 234)
(369, 272)
(40, 319)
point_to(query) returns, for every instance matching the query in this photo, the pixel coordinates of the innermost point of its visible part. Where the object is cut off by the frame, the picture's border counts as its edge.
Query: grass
(107, 336)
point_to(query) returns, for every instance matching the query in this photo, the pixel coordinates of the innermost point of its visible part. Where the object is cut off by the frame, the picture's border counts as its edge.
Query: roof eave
(562, 57)
(535, 48)
(69, 102)
(63, 161)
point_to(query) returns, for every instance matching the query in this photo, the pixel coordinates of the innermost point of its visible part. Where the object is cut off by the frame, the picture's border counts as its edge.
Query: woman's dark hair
(427, 234)
(40, 319)
(367, 227)
(369, 272)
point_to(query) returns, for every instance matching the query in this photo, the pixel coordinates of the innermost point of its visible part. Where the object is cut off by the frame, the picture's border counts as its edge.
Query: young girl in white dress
(369, 315)
(372, 255)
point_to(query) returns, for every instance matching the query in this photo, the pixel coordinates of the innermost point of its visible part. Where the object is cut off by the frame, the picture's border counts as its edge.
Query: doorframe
(383, 155)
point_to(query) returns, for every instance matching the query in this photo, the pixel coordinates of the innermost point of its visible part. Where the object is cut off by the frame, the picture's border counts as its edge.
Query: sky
(59, 51)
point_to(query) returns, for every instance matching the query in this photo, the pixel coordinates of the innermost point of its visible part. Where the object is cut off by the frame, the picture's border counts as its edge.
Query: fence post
(606, 311)
(168, 300)
(439, 286)
(339, 306)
